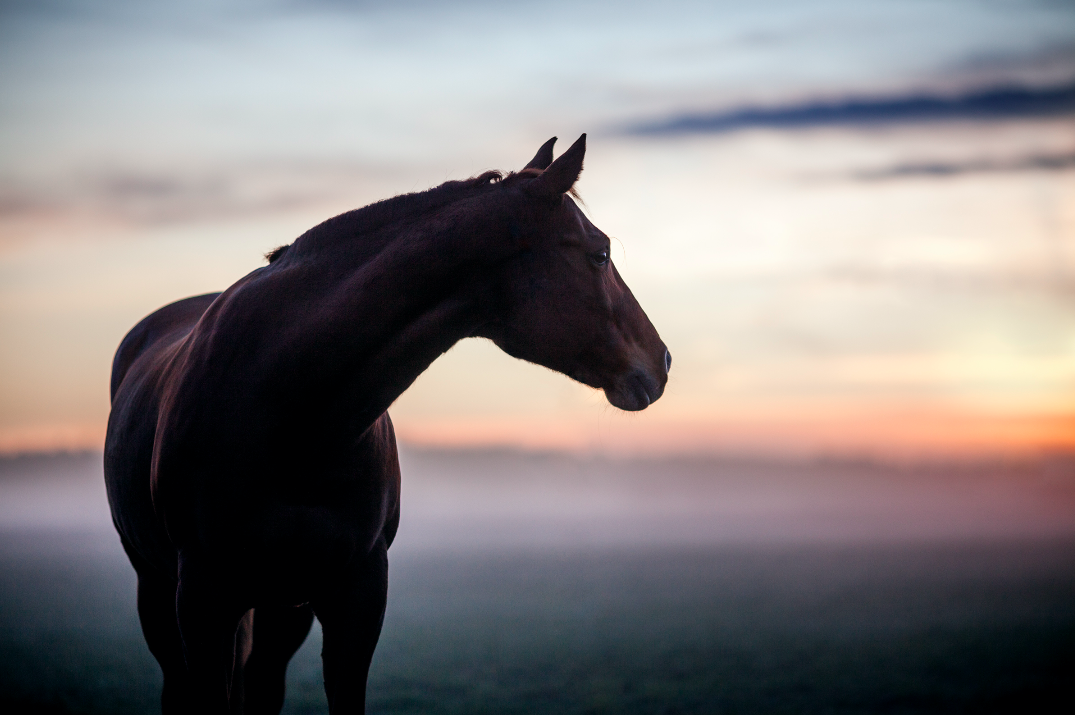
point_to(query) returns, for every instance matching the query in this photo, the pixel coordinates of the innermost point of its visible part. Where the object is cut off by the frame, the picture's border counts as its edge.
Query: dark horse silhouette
(250, 462)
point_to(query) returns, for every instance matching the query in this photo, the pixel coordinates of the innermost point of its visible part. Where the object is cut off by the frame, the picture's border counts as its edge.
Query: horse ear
(561, 174)
(543, 157)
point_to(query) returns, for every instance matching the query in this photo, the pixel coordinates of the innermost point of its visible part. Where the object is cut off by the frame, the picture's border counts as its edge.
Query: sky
(827, 284)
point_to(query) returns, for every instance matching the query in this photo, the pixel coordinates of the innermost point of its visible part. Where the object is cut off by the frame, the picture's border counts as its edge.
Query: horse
(250, 462)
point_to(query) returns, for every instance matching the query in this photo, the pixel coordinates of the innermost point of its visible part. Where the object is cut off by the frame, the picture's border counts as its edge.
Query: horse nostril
(667, 361)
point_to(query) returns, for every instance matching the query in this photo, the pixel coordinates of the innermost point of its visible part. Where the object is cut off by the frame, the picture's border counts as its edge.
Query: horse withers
(250, 462)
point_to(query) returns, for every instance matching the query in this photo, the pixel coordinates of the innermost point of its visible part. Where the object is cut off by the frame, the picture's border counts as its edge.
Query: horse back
(177, 317)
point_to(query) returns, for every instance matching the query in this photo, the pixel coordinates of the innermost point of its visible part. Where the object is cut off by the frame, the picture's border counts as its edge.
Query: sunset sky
(900, 288)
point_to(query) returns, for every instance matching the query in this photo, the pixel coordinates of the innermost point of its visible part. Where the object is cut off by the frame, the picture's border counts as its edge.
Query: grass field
(827, 629)
(589, 587)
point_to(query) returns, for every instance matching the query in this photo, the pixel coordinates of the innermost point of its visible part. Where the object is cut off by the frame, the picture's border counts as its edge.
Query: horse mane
(369, 219)
(277, 252)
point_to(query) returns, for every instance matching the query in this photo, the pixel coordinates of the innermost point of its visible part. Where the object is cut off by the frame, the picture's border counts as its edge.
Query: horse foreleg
(277, 633)
(208, 618)
(351, 614)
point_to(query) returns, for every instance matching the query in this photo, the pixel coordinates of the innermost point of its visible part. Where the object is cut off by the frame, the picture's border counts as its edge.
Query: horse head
(564, 304)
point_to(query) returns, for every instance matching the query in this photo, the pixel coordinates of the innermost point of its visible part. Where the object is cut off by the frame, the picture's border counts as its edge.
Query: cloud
(989, 104)
(162, 196)
(1037, 162)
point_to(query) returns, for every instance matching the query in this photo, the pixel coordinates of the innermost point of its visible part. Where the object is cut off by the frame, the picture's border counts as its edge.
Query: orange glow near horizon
(900, 435)
(907, 433)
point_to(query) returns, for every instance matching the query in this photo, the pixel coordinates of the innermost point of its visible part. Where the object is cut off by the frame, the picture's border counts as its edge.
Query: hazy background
(852, 222)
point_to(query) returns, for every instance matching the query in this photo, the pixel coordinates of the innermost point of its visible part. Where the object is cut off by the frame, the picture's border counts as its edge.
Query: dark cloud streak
(1038, 162)
(990, 104)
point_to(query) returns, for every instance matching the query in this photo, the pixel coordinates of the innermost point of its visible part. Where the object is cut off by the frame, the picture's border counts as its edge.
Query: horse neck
(372, 326)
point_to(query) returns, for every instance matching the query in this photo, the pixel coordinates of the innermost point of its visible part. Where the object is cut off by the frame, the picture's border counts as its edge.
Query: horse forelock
(527, 174)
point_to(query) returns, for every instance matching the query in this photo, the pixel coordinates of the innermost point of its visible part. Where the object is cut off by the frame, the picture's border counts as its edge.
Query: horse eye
(600, 258)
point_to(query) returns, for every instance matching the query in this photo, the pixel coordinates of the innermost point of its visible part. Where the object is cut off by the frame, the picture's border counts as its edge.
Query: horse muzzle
(637, 390)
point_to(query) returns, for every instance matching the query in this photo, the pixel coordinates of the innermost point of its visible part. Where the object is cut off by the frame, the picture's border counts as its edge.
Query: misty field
(578, 624)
